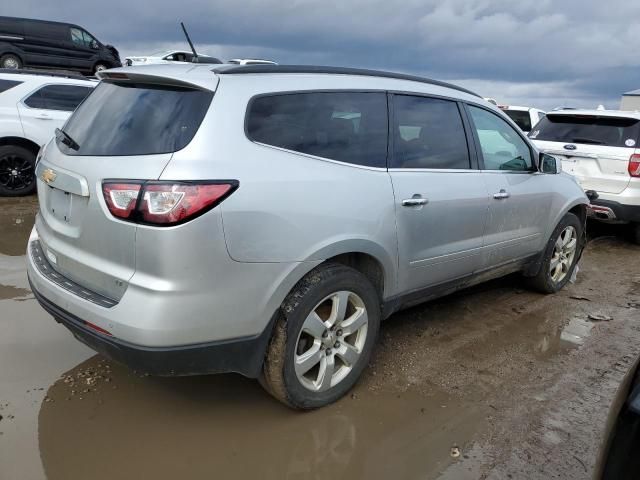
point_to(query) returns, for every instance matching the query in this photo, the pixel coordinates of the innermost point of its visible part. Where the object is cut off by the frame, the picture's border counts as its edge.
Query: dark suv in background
(44, 44)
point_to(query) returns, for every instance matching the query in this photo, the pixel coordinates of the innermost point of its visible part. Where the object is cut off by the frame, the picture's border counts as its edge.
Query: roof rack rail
(48, 73)
(237, 69)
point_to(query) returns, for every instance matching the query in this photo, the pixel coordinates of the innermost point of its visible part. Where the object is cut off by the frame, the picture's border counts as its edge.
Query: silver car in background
(264, 219)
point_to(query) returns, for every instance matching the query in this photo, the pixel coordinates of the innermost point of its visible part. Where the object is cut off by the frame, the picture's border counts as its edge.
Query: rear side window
(520, 118)
(7, 84)
(589, 129)
(428, 133)
(58, 97)
(136, 119)
(349, 127)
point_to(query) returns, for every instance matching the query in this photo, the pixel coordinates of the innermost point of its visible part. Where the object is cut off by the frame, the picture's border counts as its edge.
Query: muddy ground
(494, 382)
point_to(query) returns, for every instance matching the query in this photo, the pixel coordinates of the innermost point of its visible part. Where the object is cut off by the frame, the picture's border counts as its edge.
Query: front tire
(10, 61)
(560, 256)
(323, 339)
(99, 67)
(17, 171)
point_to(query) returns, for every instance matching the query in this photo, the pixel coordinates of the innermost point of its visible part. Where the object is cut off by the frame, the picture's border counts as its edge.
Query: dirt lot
(494, 382)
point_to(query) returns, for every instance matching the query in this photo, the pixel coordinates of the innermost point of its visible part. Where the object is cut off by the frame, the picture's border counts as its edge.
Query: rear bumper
(620, 212)
(243, 355)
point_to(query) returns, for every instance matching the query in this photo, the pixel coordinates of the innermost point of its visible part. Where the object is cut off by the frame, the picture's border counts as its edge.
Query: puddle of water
(17, 216)
(227, 427)
(34, 350)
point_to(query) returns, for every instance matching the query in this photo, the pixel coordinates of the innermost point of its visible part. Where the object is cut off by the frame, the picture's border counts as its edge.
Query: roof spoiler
(126, 77)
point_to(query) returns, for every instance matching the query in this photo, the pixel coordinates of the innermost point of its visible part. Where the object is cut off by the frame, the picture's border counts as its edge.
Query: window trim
(315, 157)
(474, 165)
(43, 85)
(474, 131)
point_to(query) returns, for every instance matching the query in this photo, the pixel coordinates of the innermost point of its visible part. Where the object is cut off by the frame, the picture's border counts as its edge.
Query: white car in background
(32, 105)
(525, 117)
(251, 61)
(168, 57)
(600, 148)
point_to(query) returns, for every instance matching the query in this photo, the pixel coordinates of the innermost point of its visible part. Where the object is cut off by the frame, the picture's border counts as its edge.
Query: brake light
(164, 203)
(634, 165)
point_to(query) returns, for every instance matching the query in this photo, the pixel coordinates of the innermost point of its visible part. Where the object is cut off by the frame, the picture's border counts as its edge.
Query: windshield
(135, 119)
(588, 129)
(521, 118)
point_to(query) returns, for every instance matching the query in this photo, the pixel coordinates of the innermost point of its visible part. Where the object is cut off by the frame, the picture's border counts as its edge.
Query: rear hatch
(595, 149)
(123, 130)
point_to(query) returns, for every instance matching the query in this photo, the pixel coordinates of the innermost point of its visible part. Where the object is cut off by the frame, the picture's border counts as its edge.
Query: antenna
(193, 49)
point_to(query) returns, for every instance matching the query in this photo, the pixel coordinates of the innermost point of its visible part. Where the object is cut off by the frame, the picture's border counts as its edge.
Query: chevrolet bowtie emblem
(48, 176)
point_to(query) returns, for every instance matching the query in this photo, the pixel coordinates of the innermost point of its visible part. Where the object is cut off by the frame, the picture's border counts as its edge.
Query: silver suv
(265, 219)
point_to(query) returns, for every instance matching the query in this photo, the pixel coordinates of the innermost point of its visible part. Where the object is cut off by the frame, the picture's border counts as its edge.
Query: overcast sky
(540, 53)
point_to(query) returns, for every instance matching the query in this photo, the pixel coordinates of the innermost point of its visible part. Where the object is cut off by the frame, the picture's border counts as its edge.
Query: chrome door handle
(44, 116)
(414, 202)
(502, 194)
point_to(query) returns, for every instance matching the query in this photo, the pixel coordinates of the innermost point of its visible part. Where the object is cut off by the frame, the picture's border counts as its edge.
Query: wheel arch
(20, 142)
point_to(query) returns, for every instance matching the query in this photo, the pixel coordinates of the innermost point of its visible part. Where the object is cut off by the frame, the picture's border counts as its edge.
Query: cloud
(535, 51)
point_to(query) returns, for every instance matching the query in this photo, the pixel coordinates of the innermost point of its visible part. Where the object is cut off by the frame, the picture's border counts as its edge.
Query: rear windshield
(588, 129)
(522, 119)
(135, 119)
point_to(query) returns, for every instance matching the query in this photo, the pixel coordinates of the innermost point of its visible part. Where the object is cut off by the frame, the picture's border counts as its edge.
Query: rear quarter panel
(289, 207)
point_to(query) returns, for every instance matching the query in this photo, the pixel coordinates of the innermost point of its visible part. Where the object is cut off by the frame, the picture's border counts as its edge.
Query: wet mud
(492, 382)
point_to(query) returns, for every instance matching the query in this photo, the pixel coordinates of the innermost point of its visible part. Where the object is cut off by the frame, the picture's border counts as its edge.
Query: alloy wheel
(564, 252)
(16, 172)
(331, 341)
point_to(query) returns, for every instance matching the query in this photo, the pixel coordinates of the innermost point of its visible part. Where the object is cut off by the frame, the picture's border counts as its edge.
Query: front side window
(344, 126)
(81, 38)
(58, 97)
(501, 146)
(428, 133)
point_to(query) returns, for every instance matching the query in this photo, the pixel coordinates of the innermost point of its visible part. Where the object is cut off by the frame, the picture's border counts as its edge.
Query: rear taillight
(164, 203)
(634, 165)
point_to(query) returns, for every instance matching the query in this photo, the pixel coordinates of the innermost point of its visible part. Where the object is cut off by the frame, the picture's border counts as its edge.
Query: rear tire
(11, 61)
(17, 171)
(323, 339)
(560, 256)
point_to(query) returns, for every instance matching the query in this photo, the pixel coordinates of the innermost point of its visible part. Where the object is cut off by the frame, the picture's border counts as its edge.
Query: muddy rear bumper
(244, 355)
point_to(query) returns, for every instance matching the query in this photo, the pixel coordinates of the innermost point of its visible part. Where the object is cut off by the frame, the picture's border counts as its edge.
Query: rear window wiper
(587, 140)
(65, 138)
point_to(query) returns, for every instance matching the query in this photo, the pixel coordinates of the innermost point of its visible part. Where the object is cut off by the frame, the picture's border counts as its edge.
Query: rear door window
(65, 98)
(588, 129)
(349, 127)
(428, 133)
(136, 119)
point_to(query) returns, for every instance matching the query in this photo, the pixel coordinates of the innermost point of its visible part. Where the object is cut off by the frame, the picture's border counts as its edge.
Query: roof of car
(26, 73)
(597, 113)
(232, 69)
(633, 93)
(201, 73)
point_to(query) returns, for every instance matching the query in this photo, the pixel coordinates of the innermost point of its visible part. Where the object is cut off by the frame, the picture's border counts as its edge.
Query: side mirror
(94, 45)
(549, 164)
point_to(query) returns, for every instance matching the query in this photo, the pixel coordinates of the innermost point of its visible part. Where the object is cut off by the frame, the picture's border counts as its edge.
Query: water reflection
(226, 427)
(17, 216)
